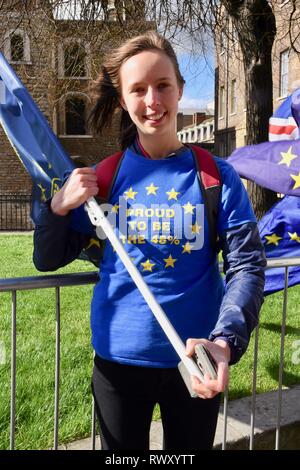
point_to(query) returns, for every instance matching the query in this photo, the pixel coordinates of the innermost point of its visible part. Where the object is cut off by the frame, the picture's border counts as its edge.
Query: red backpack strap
(106, 172)
(210, 184)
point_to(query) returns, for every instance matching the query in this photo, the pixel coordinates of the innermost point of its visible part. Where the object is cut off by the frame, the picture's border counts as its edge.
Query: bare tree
(255, 24)
(103, 23)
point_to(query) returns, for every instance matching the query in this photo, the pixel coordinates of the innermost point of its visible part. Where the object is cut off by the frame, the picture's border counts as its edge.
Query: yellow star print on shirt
(195, 228)
(273, 239)
(130, 194)
(187, 248)
(93, 241)
(189, 208)
(172, 194)
(297, 180)
(294, 236)
(147, 266)
(151, 189)
(170, 261)
(287, 157)
(115, 208)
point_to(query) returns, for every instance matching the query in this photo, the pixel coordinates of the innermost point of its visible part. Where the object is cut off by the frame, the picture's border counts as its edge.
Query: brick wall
(41, 80)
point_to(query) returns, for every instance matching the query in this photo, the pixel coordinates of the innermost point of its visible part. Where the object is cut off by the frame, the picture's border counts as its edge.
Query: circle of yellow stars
(286, 159)
(172, 194)
(274, 239)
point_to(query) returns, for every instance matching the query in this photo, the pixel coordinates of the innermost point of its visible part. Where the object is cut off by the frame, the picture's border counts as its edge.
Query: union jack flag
(282, 125)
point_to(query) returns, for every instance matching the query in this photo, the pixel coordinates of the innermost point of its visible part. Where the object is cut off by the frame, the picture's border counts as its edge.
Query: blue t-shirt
(157, 209)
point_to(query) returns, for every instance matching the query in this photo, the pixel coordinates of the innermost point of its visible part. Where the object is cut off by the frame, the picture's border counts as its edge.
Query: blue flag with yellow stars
(280, 233)
(276, 165)
(31, 136)
(273, 165)
(34, 143)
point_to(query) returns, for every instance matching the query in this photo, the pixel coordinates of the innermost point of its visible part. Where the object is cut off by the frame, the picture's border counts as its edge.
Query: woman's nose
(152, 97)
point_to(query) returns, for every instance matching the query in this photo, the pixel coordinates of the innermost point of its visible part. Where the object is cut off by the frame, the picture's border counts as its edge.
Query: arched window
(17, 47)
(74, 60)
(75, 115)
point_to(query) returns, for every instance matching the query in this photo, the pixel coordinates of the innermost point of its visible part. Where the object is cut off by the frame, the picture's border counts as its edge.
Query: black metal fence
(15, 212)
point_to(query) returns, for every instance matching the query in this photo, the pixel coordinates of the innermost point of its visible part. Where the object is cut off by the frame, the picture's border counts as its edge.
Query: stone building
(197, 127)
(56, 57)
(230, 105)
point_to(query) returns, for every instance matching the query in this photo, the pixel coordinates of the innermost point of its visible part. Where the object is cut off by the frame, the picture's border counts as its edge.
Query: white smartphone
(206, 365)
(205, 361)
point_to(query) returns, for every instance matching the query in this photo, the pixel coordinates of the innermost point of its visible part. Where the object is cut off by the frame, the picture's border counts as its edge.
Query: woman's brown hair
(106, 89)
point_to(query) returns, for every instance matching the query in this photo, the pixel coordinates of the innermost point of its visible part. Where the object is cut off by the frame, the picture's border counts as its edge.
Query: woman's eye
(138, 90)
(163, 85)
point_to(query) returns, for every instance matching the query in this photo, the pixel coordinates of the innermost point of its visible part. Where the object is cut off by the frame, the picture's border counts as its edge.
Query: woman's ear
(180, 93)
(122, 103)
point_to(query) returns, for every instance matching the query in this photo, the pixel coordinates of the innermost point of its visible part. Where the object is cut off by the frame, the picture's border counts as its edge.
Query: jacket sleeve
(55, 242)
(244, 263)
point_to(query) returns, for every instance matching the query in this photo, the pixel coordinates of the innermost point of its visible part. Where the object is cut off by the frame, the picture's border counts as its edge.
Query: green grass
(36, 353)
(36, 349)
(269, 348)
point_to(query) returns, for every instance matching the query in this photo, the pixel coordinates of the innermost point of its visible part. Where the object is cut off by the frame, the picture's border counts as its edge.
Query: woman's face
(150, 93)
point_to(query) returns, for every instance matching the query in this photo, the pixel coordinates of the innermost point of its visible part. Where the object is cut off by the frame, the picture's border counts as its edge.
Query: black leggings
(125, 397)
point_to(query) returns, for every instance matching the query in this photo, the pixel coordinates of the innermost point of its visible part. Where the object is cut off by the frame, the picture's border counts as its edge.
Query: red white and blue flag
(276, 165)
(282, 125)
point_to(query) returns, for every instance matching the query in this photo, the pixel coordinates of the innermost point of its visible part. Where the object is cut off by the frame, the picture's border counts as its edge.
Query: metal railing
(58, 281)
(15, 212)
(41, 282)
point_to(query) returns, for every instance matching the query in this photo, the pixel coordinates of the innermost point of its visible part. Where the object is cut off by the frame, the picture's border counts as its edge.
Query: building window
(223, 42)
(222, 102)
(17, 47)
(75, 112)
(222, 148)
(204, 133)
(232, 142)
(284, 73)
(74, 60)
(211, 130)
(233, 97)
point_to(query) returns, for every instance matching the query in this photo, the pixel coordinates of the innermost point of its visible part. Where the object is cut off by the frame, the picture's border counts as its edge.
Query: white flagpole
(98, 219)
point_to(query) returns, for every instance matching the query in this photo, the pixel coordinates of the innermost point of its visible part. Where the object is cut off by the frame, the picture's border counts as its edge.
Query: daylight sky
(198, 71)
(199, 76)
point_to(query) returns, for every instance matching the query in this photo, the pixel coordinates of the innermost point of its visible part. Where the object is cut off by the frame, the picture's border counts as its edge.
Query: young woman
(135, 364)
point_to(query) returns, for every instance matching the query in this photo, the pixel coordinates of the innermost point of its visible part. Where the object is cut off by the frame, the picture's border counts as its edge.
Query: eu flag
(280, 233)
(273, 165)
(276, 165)
(30, 135)
(35, 144)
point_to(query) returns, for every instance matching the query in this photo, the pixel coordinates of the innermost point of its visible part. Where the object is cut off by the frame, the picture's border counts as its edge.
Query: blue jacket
(57, 244)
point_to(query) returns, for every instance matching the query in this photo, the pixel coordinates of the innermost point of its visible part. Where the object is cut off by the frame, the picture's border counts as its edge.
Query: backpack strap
(106, 172)
(208, 176)
(210, 184)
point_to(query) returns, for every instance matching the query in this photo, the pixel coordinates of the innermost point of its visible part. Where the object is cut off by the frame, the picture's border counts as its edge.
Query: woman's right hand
(79, 187)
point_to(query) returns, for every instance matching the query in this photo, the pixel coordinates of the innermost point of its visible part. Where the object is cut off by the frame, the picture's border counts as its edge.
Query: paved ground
(238, 424)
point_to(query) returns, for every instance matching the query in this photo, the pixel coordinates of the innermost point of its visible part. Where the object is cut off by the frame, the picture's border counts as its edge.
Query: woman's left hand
(220, 351)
